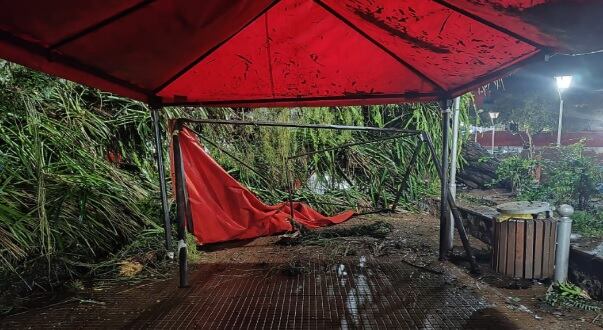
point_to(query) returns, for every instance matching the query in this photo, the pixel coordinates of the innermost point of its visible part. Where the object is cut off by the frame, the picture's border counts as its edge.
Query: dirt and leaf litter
(367, 236)
(412, 239)
(534, 299)
(406, 238)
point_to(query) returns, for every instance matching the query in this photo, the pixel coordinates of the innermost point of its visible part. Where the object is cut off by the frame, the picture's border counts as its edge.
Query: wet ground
(354, 293)
(361, 280)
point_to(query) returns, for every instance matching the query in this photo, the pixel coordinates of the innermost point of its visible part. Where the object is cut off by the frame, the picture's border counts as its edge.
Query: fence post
(564, 230)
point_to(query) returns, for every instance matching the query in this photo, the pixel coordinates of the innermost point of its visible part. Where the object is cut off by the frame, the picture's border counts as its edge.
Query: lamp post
(563, 83)
(493, 115)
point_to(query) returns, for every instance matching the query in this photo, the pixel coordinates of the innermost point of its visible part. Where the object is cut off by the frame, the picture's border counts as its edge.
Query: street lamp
(563, 83)
(493, 115)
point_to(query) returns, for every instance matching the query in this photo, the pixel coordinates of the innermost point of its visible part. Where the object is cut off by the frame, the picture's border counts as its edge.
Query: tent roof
(278, 53)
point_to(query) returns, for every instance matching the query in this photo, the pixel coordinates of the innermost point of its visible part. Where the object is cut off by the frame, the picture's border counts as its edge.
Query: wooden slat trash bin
(524, 243)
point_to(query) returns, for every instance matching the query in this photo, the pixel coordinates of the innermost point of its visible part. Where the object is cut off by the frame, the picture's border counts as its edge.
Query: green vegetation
(78, 188)
(531, 112)
(589, 224)
(568, 176)
(569, 295)
(77, 183)
(519, 174)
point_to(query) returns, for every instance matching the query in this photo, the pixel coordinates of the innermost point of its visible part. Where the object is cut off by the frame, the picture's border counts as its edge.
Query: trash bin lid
(523, 207)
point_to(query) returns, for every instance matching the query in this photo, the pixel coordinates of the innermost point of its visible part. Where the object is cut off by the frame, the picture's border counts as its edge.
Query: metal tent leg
(456, 108)
(458, 220)
(167, 226)
(181, 207)
(404, 184)
(444, 191)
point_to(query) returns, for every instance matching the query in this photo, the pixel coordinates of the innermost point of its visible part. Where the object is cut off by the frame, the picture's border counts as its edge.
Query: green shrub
(589, 224)
(518, 173)
(63, 204)
(570, 177)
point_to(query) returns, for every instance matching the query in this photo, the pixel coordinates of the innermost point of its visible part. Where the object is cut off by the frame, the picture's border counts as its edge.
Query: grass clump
(76, 179)
(569, 295)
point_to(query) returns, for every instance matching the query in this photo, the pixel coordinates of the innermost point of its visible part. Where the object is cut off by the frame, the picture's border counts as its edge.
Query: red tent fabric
(284, 52)
(223, 210)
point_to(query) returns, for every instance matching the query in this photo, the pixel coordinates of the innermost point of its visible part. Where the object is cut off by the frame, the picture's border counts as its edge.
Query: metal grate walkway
(353, 294)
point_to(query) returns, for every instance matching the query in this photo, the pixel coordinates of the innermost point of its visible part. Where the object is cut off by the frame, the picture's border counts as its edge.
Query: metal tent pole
(458, 220)
(560, 120)
(167, 226)
(404, 183)
(181, 206)
(294, 125)
(456, 108)
(444, 210)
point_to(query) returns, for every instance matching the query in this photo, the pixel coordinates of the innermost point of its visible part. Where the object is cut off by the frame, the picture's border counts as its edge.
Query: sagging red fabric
(258, 53)
(223, 210)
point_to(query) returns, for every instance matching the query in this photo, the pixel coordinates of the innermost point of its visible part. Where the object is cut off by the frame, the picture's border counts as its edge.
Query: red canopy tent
(282, 53)
(290, 52)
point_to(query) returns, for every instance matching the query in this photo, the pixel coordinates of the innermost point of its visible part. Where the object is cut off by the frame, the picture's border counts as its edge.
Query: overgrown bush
(572, 178)
(519, 174)
(568, 176)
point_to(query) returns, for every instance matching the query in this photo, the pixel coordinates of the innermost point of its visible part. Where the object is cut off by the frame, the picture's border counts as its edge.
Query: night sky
(583, 101)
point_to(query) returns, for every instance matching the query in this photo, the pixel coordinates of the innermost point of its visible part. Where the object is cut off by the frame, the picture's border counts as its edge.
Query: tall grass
(65, 206)
(62, 202)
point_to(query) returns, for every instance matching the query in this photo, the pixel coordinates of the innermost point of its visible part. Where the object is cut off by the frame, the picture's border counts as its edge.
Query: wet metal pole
(456, 109)
(162, 185)
(458, 220)
(564, 231)
(181, 207)
(404, 183)
(444, 211)
(560, 120)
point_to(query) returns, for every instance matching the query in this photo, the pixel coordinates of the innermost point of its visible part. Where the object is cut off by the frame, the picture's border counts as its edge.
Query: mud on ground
(404, 242)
